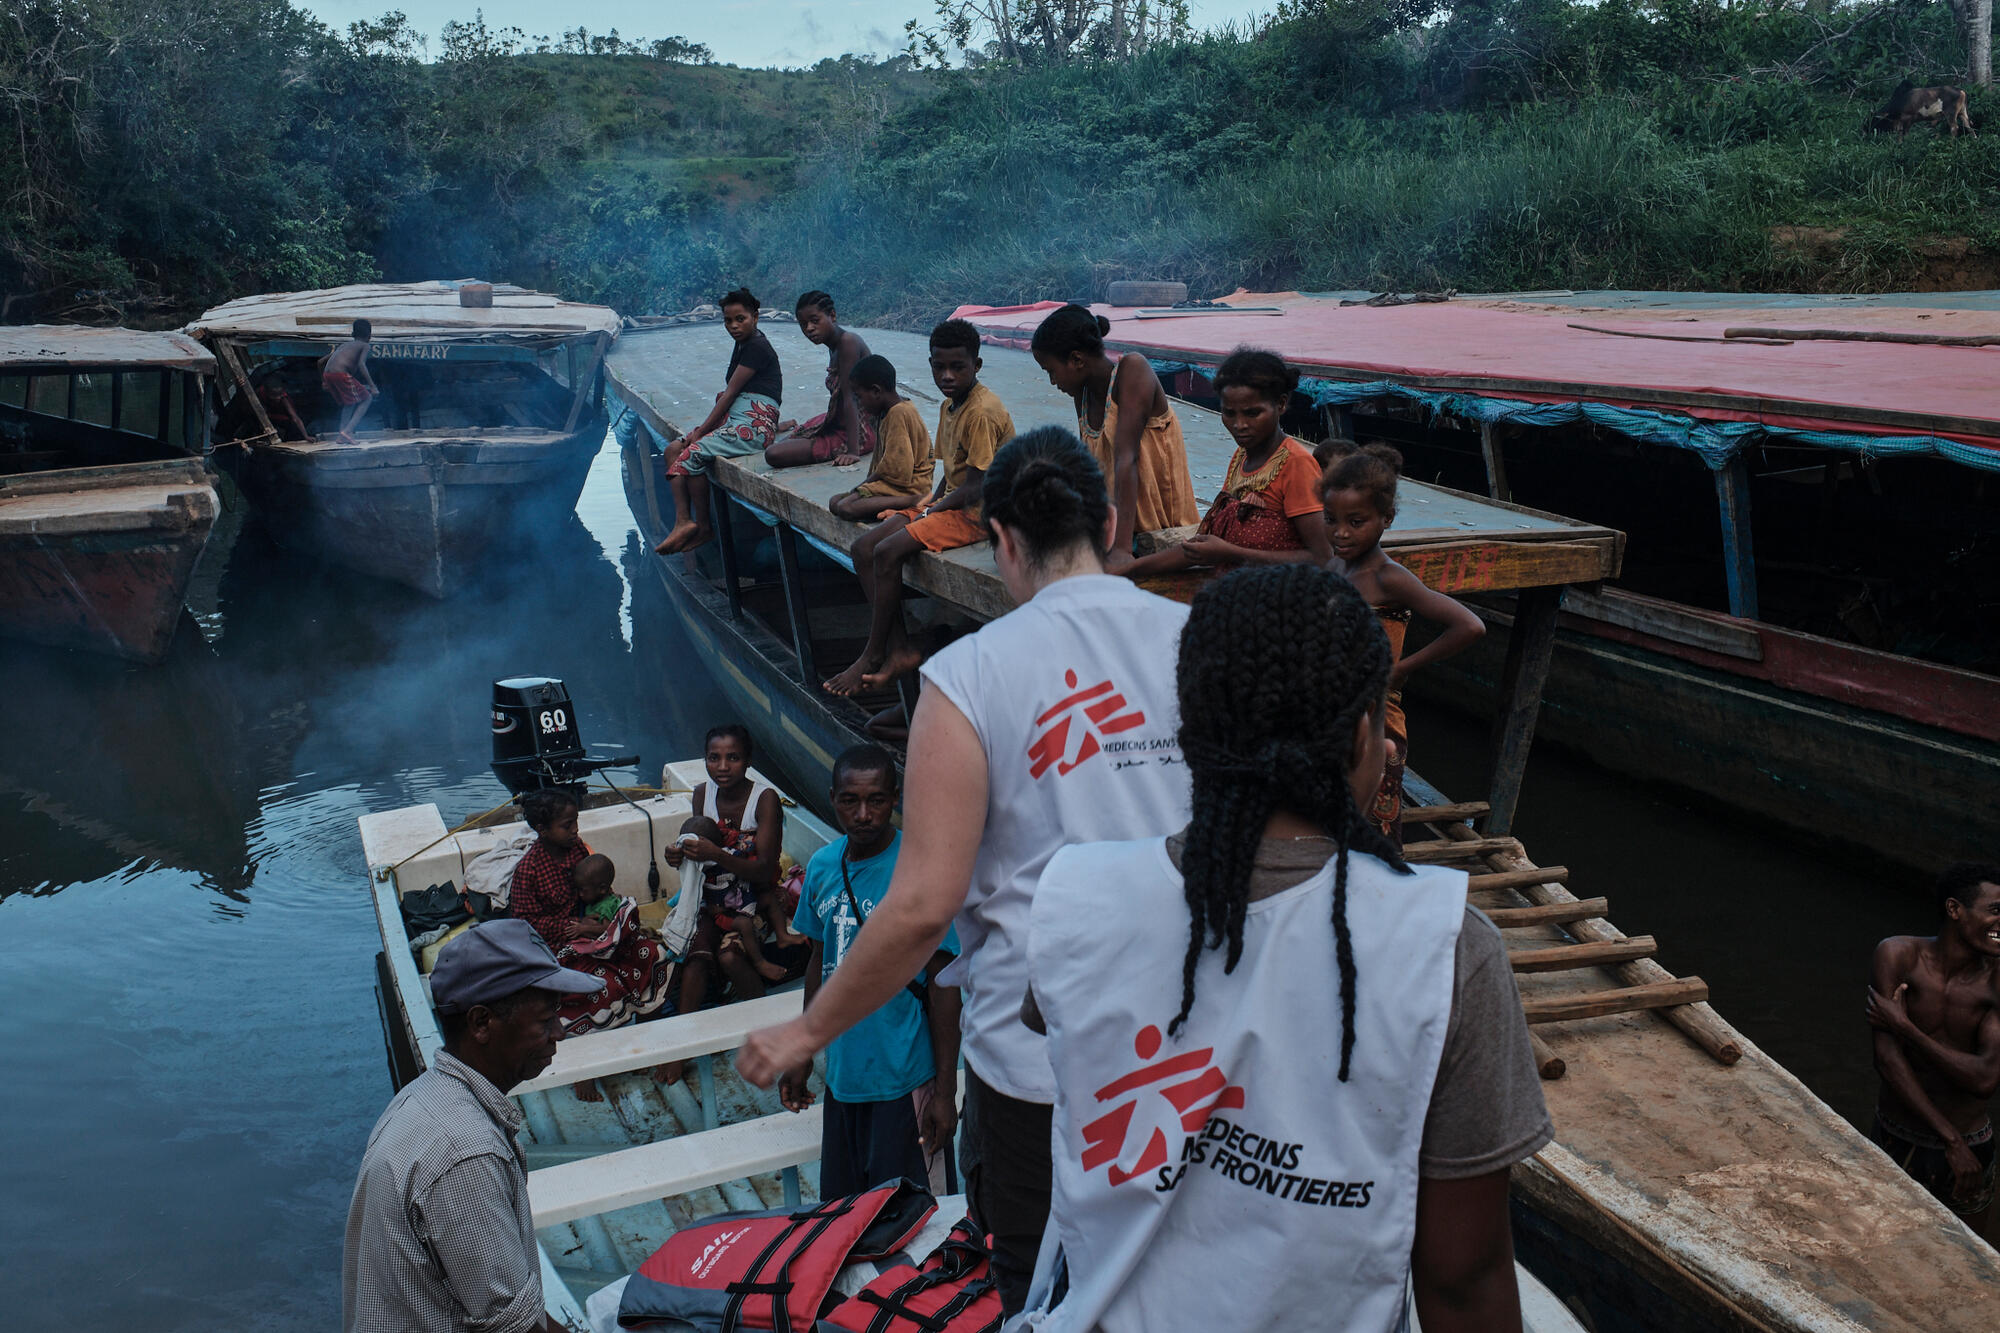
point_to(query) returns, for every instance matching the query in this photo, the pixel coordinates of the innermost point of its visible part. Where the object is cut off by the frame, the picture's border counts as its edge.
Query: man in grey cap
(439, 1236)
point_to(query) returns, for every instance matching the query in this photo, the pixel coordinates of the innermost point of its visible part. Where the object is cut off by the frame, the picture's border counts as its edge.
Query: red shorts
(346, 390)
(833, 443)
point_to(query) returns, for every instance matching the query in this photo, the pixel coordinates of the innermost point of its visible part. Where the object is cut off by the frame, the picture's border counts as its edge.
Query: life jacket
(952, 1293)
(770, 1270)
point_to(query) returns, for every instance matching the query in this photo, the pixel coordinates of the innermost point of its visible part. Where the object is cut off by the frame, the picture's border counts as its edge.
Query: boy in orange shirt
(972, 425)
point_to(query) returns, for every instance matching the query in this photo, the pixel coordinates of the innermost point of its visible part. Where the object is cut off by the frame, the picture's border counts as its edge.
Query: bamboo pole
(1706, 1028)
(1623, 1000)
(1444, 814)
(1547, 1063)
(1570, 957)
(1456, 849)
(1727, 337)
(225, 352)
(1866, 336)
(1555, 914)
(1519, 879)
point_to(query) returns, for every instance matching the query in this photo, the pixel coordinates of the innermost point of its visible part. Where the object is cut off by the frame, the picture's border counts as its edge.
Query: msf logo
(1103, 712)
(1193, 1098)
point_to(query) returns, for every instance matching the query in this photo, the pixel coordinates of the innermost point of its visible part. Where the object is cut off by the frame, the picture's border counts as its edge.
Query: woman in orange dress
(1268, 512)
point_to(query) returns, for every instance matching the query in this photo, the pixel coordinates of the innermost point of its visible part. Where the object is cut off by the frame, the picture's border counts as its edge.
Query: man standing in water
(439, 1236)
(1935, 1007)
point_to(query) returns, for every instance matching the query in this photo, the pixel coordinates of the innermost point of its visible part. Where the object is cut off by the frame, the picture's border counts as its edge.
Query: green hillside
(186, 151)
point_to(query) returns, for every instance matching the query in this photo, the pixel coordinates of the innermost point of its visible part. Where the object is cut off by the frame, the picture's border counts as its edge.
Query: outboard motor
(536, 743)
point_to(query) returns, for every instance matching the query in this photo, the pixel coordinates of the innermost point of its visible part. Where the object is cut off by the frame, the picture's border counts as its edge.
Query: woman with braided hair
(1297, 1077)
(1054, 724)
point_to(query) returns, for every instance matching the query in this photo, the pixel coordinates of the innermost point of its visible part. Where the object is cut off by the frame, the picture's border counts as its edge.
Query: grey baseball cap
(495, 959)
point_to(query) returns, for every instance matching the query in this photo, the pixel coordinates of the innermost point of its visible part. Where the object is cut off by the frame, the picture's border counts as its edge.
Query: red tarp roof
(1527, 351)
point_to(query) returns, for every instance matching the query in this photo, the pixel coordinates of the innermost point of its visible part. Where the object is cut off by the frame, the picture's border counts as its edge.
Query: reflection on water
(196, 1054)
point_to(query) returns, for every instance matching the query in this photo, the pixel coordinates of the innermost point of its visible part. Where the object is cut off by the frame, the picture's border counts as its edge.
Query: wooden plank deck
(1454, 541)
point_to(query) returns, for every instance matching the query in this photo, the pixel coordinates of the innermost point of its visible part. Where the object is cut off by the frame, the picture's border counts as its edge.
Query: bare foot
(789, 938)
(786, 428)
(770, 971)
(588, 1091)
(848, 683)
(701, 538)
(900, 662)
(678, 539)
(670, 1074)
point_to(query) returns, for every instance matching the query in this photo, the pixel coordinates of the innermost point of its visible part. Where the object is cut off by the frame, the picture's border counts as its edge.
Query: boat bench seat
(673, 1166)
(662, 1041)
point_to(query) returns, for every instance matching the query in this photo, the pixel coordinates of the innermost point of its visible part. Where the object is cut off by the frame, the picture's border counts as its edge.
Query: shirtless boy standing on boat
(1935, 1007)
(344, 374)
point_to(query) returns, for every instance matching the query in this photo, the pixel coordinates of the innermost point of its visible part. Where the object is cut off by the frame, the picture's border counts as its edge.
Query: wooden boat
(618, 1161)
(488, 422)
(1694, 1184)
(1833, 673)
(105, 501)
(775, 605)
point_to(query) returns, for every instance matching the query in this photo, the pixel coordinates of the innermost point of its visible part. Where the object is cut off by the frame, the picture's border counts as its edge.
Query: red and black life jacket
(770, 1270)
(952, 1293)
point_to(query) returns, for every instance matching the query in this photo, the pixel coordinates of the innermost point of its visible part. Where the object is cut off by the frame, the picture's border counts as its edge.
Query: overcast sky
(740, 32)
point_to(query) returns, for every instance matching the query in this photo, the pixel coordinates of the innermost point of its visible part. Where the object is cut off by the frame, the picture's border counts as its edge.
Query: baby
(733, 903)
(592, 878)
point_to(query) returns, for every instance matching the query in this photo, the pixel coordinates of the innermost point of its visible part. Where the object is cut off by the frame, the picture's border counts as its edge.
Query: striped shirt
(439, 1236)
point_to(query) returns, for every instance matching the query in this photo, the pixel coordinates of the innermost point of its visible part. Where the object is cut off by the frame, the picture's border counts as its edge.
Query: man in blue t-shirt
(891, 1079)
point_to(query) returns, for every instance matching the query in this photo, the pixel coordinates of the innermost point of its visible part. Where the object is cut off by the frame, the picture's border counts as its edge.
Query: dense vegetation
(177, 152)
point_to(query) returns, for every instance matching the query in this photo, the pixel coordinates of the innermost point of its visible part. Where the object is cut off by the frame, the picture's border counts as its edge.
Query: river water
(195, 1051)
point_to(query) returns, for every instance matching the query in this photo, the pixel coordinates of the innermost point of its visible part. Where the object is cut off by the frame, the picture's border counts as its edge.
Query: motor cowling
(536, 743)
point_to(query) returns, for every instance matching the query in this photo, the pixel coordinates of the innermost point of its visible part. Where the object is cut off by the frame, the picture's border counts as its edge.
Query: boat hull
(1814, 764)
(419, 511)
(801, 728)
(99, 559)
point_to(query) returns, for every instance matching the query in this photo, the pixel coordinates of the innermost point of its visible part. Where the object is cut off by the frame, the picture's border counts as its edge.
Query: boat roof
(25, 347)
(1644, 352)
(408, 310)
(1454, 541)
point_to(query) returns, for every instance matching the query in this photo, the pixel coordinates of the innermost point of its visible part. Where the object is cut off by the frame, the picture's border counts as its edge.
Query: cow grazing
(1940, 104)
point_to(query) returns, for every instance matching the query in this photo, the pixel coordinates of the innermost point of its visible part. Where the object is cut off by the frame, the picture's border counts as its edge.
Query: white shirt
(1073, 697)
(1226, 1177)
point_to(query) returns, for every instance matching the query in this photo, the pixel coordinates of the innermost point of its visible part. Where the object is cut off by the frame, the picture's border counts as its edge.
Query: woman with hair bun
(1297, 1075)
(1127, 422)
(1051, 725)
(1268, 512)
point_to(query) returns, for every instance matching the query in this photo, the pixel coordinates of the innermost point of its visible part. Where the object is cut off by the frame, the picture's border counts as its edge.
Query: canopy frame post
(725, 542)
(1529, 646)
(1496, 462)
(795, 602)
(1739, 555)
